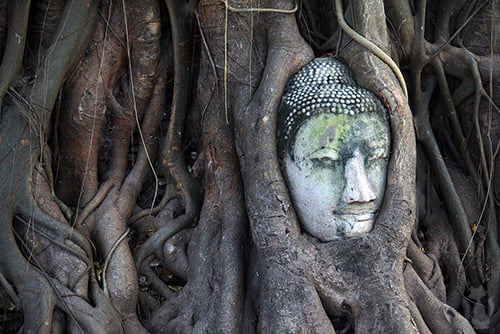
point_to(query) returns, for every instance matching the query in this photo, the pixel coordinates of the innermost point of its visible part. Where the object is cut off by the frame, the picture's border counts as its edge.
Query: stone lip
(359, 217)
(342, 226)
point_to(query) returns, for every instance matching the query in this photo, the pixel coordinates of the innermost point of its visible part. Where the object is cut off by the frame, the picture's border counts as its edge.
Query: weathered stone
(333, 141)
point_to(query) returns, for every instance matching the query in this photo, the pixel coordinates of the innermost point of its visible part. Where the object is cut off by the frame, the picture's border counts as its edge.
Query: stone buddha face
(334, 149)
(336, 173)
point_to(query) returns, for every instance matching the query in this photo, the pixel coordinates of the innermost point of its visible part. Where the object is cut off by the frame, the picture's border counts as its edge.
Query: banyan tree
(142, 187)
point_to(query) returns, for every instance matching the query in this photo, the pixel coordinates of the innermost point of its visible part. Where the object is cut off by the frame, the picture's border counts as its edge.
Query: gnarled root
(438, 316)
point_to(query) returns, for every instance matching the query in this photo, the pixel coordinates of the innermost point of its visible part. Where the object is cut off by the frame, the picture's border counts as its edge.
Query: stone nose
(357, 188)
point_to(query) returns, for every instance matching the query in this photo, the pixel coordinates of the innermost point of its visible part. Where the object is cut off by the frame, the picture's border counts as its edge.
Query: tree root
(169, 195)
(455, 208)
(370, 46)
(101, 194)
(173, 163)
(59, 232)
(16, 41)
(85, 109)
(39, 291)
(439, 317)
(154, 244)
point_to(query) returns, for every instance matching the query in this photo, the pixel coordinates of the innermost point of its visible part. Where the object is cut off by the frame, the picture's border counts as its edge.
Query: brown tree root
(214, 277)
(141, 96)
(439, 317)
(84, 112)
(39, 294)
(173, 163)
(35, 287)
(14, 46)
(20, 152)
(111, 215)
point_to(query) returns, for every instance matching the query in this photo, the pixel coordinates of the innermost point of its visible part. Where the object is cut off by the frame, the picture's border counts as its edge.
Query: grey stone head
(325, 85)
(333, 144)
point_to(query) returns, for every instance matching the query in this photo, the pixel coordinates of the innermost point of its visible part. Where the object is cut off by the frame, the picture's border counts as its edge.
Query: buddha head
(333, 144)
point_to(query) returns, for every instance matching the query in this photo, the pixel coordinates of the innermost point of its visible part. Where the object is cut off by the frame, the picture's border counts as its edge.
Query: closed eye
(381, 157)
(377, 159)
(326, 161)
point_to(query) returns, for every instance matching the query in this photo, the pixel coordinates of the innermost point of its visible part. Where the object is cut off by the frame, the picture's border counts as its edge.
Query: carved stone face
(336, 171)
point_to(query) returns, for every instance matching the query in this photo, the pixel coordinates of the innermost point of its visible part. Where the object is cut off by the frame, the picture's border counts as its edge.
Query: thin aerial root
(152, 118)
(108, 258)
(452, 201)
(60, 242)
(455, 34)
(60, 229)
(453, 116)
(477, 126)
(370, 46)
(490, 101)
(94, 202)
